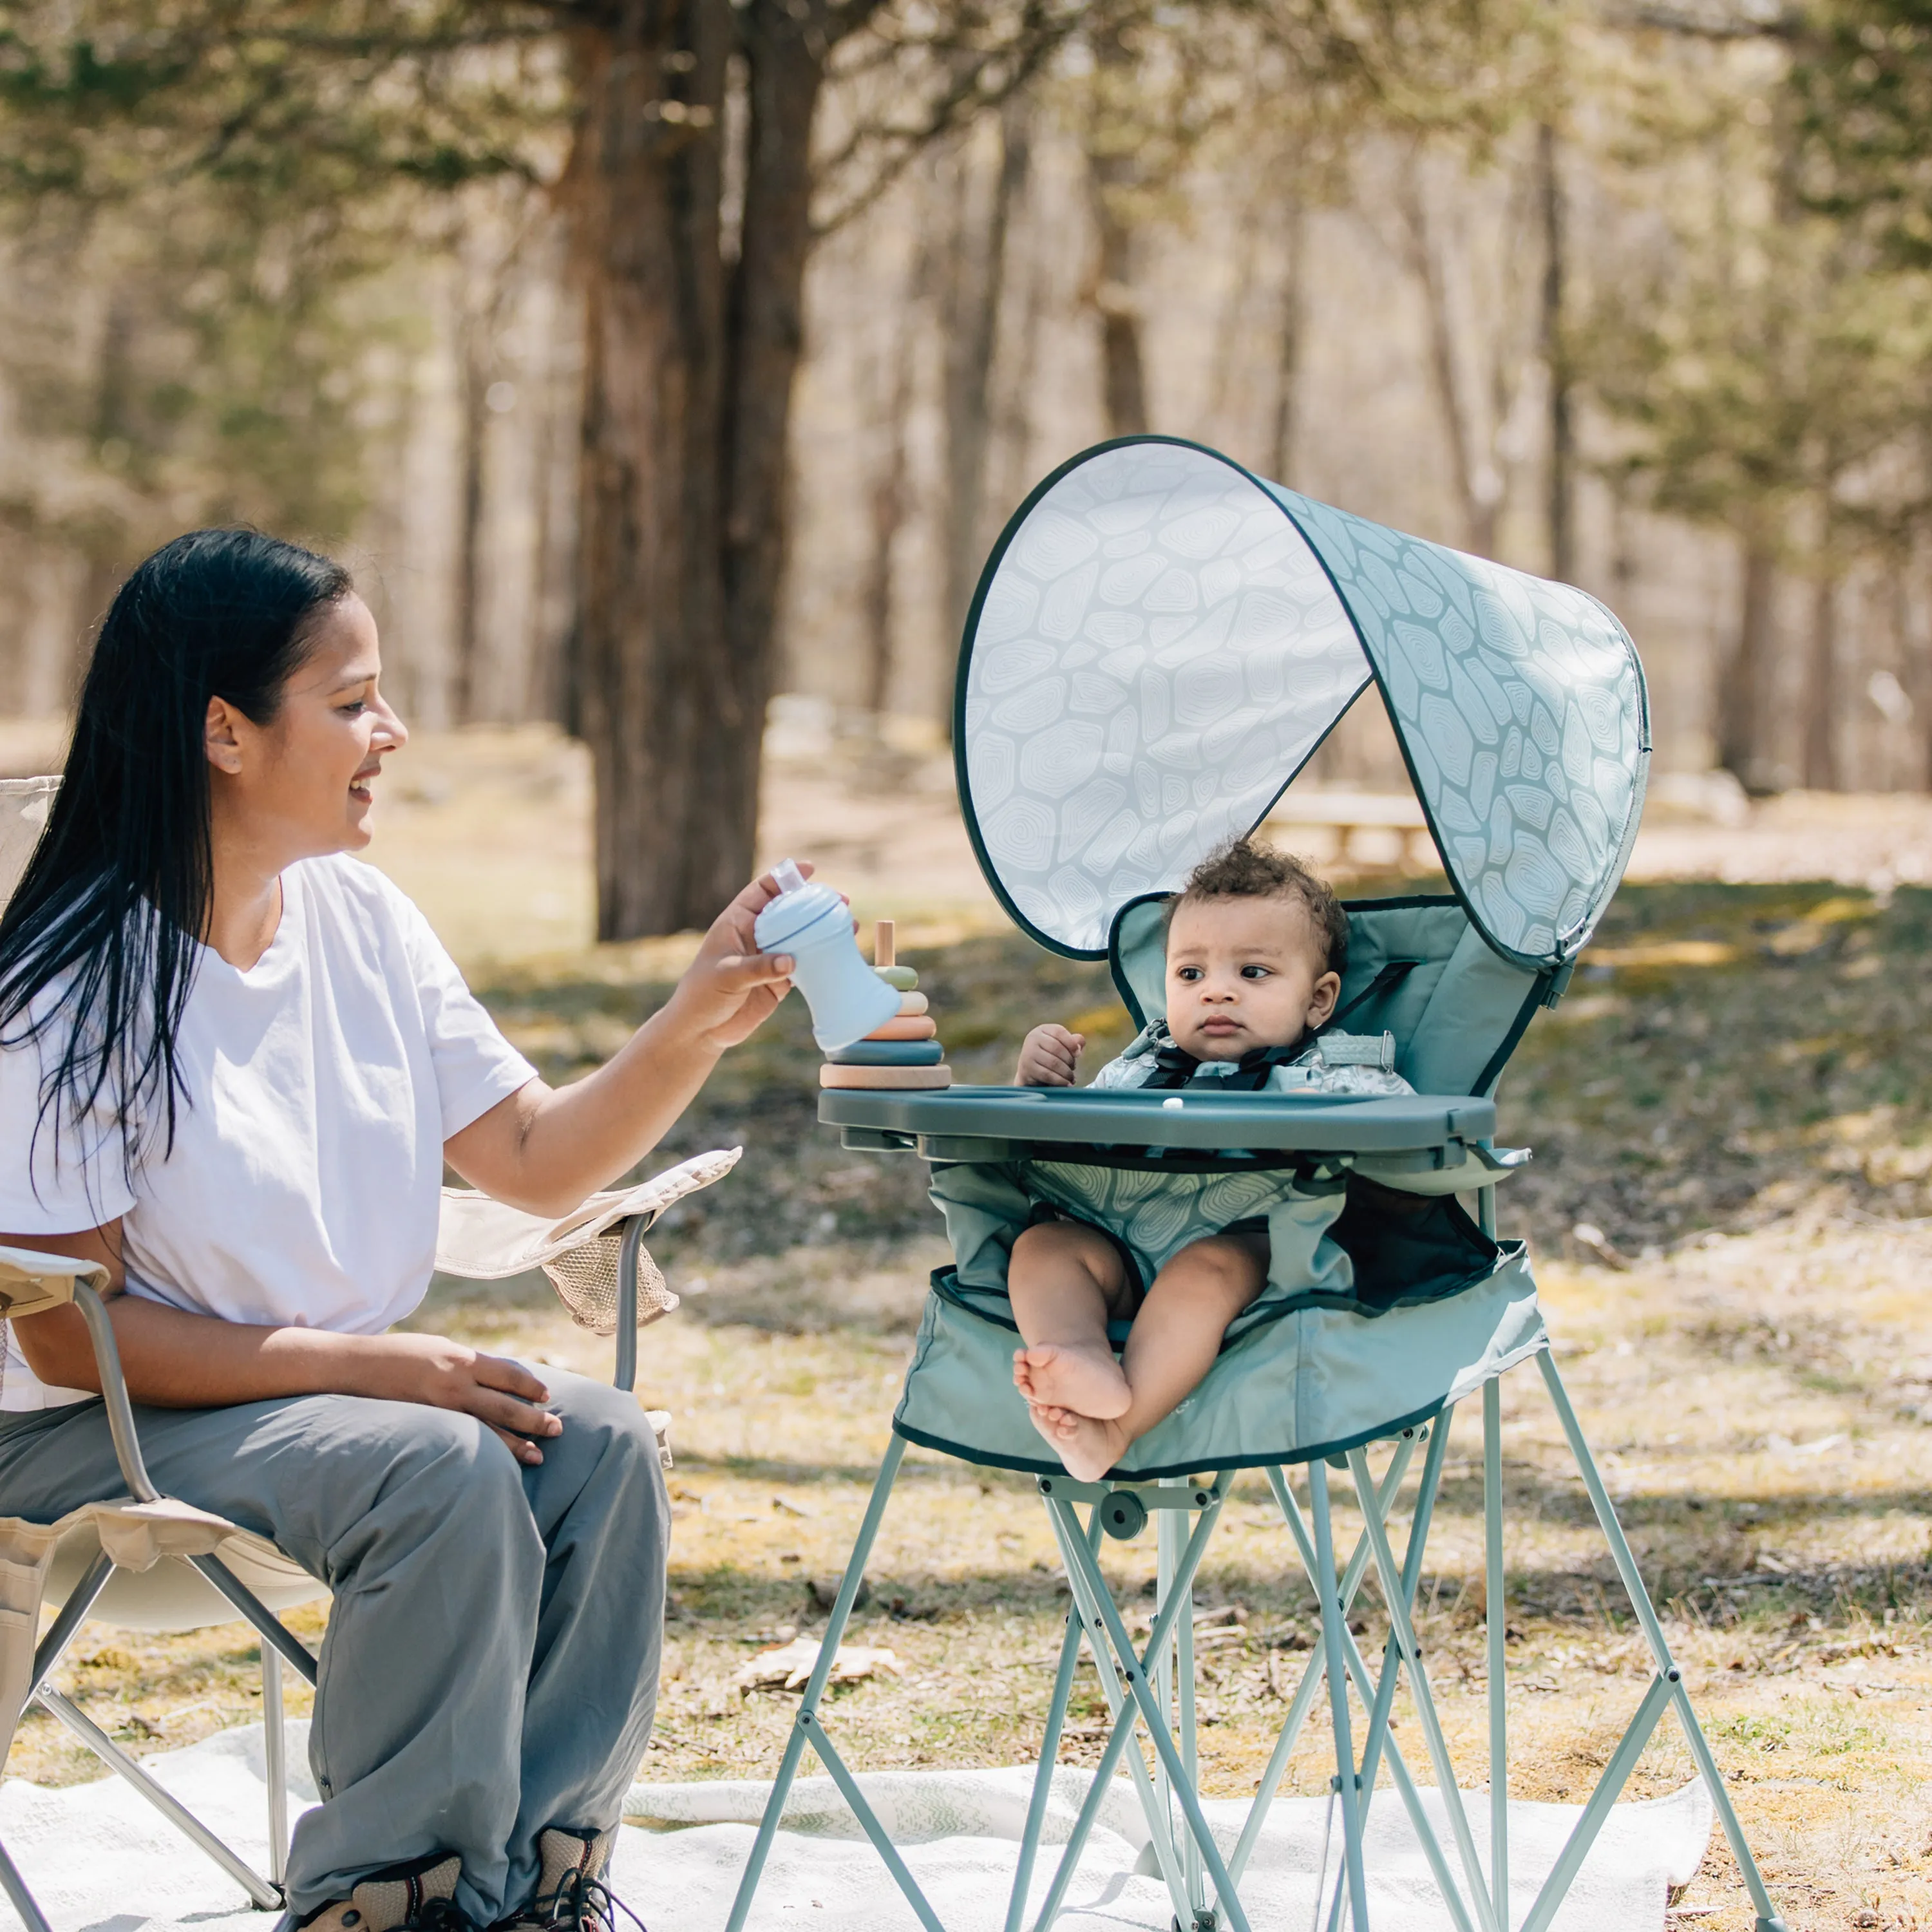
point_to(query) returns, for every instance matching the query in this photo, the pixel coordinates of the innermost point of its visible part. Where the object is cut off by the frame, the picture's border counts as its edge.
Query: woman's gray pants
(491, 1663)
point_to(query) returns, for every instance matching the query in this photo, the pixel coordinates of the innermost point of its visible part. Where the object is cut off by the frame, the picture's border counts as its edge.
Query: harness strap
(1393, 973)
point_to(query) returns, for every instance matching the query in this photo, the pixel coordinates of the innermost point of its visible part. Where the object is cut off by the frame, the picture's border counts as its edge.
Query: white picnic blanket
(98, 1858)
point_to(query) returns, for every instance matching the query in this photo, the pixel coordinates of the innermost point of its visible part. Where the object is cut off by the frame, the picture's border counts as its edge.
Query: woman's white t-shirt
(303, 1187)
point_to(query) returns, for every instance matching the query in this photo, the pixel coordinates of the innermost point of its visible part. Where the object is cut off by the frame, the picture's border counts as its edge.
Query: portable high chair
(1159, 643)
(150, 1562)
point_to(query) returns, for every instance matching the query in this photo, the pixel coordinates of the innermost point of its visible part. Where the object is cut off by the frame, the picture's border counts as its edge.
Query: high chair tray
(1015, 1122)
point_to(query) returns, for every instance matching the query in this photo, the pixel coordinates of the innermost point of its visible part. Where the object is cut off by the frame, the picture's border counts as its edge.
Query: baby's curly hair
(1241, 871)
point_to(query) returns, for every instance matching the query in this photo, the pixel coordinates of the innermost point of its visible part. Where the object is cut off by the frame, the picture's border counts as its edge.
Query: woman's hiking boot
(571, 1895)
(420, 1897)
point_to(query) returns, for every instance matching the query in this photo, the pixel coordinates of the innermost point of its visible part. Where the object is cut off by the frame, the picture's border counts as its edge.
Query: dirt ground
(1730, 1212)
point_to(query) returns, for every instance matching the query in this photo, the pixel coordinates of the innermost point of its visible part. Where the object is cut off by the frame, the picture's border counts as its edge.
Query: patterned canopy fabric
(1160, 641)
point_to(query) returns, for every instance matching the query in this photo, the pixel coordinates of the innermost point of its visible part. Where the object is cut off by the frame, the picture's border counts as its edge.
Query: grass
(1729, 1206)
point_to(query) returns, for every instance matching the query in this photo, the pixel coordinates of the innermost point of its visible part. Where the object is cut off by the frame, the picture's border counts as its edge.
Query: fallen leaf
(790, 1664)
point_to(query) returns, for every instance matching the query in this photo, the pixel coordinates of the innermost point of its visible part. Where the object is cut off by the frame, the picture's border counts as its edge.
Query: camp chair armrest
(31, 1283)
(114, 1394)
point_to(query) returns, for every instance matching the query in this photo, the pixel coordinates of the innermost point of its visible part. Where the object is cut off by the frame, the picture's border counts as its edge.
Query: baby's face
(1242, 973)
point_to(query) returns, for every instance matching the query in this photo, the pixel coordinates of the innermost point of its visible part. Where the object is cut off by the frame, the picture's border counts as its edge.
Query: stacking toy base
(902, 1078)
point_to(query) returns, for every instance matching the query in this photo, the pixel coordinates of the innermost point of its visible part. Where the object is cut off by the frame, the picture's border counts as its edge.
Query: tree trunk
(1110, 178)
(1744, 692)
(1820, 760)
(689, 366)
(784, 51)
(889, 496)
(1476, 485)
(1561, 501)
(1011, 474)
(970, 295)
(475, 351)
(1288, 351)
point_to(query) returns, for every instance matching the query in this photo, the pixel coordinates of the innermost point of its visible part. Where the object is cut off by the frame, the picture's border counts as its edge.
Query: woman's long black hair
(99, 946)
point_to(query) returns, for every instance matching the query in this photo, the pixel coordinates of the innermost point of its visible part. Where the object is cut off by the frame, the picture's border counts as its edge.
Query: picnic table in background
(1369, 830)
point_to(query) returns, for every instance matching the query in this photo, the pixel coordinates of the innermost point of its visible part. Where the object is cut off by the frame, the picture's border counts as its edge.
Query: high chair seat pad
(1308, 1379)
(1379, 1308)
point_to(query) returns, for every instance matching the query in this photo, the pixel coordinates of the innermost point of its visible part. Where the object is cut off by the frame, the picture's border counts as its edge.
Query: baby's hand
(1049, 1056)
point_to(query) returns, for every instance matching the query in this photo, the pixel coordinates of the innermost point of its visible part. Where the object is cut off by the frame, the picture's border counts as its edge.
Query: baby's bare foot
(1057, 1375)
(1054, 1423)
(1057, 1425)
(1094, 1447)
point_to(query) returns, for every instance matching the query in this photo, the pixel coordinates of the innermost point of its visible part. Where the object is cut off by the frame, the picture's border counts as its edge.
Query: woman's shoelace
(582, 1904)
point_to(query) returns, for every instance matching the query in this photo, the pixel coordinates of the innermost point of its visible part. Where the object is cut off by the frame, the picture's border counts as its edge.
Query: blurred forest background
(665, 368)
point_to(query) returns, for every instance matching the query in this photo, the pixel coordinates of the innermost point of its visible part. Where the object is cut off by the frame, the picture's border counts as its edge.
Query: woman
(233, 1061)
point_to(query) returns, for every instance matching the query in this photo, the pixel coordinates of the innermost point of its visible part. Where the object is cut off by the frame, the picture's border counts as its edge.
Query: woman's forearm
(174, 1360)
(557, 1145)
(543, 1149)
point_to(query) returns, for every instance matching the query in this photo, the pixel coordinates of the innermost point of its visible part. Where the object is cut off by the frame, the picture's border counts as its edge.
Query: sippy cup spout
(789, 878)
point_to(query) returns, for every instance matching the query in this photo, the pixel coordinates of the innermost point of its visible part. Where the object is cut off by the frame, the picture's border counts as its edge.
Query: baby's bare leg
(1065, 1281)
(1175, 1340)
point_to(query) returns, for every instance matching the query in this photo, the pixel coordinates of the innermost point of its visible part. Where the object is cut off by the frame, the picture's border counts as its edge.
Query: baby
(1256, 945)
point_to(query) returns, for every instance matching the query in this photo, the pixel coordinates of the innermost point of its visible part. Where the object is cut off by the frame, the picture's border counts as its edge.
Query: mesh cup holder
(586, 1281)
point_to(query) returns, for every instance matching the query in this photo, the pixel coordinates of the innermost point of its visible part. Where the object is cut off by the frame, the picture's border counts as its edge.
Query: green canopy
(1160, 641)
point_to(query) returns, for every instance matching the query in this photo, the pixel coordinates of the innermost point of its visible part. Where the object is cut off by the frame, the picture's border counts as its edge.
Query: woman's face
(300, 786)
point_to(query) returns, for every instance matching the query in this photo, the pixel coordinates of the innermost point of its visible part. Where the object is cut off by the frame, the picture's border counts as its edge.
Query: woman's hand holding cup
(731, 988)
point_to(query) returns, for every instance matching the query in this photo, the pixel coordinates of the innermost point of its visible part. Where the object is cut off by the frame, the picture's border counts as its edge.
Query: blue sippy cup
(812, 923)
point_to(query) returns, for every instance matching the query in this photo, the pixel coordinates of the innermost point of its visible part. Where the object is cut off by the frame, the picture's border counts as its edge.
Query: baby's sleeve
(1123, 1072)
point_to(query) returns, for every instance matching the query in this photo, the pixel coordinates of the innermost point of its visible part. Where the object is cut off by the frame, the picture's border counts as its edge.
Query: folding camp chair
(150, 1562)
(1159, 643)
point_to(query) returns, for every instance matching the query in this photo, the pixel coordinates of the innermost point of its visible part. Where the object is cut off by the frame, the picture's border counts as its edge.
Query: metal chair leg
(1334, 1629)
(74, 1613)
(1313, 1676)
(1634, 1588)
(171, 1808)
(806, 1727)
(1496, 1632)
(1167, 1539)
(19, 1897)
(1049, 1755)
(1402, 1629)
(275, 1763)
(1123, 1733)
(1073, 1553)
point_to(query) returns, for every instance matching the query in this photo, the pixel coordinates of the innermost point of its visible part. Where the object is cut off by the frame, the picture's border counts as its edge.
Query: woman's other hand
(501, 1394)
(1049, 1056)
(731, 988)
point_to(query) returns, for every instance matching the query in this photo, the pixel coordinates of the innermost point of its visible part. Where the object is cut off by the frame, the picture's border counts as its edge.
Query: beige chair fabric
(24, 805)
(137, 1536)
(485, 1241)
